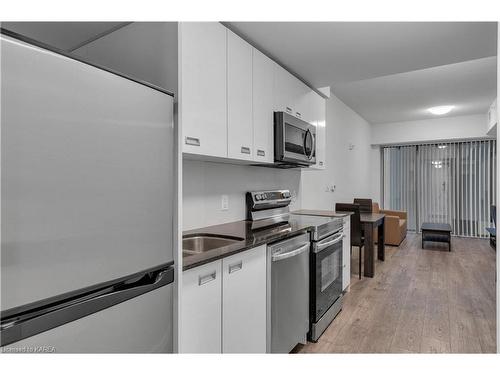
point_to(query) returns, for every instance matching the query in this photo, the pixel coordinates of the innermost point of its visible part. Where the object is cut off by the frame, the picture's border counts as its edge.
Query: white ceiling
(63, 35)
(388, 71)
(385, 71)
(324, 53)
(470, 86)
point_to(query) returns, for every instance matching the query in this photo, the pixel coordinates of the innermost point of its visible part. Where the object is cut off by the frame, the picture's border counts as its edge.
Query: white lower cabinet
(244, 302)
(224, 305)
(201, 322)
(346, 253)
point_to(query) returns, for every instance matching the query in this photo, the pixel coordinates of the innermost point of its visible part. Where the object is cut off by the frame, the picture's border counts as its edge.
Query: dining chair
(365, 205)
(357, 238)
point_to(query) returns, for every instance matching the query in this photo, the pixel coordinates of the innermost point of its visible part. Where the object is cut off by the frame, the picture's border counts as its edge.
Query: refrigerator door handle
(25, 321)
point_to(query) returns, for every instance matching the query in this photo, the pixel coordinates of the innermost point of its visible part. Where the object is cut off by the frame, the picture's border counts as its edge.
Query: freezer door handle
(28, 320)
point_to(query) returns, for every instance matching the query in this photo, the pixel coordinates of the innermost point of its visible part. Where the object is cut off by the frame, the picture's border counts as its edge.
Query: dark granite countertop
(326, 213)
(296, 224)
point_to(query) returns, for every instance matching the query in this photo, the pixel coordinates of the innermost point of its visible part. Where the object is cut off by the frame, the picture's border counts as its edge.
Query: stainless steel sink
(200, 243)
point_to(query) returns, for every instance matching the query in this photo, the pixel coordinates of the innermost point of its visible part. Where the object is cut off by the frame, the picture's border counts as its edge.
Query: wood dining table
(370, 221)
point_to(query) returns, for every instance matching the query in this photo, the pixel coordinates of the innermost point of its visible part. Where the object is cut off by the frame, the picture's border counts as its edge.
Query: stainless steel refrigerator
(87, 189)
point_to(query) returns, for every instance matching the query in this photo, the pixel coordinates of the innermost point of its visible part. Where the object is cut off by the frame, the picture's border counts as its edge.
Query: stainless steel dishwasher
(288, 293)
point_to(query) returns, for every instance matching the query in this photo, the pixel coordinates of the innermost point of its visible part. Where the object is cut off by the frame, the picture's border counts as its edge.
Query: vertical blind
(452, 183)
(400, 181)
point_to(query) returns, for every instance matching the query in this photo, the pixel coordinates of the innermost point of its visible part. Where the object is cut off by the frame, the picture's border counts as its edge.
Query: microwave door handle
(313, 142)
(308, 132)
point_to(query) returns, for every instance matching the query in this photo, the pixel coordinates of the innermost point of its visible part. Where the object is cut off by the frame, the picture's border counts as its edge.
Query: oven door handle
(290, 254)
(322, 246)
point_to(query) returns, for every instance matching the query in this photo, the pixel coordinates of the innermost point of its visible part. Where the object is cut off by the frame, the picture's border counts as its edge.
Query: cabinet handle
(289, 110)
(245, 150)
(298, 114)
(207, 278)
(235, 267)
(192, 141)
(321, 163)
(261, 153)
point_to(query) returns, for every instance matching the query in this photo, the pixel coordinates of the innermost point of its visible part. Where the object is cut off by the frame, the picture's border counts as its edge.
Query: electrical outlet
(224, 202)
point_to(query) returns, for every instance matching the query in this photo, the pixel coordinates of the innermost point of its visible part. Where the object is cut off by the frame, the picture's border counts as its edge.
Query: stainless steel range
(304, 271)
(325, 274)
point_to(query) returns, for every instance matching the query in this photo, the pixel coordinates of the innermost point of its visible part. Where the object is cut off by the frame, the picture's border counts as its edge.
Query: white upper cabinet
(292, 95)
(239, 98)
(263, 108)
(304, 103)
(319, 119)
(285, 90)
(203, 107)
(228, 92)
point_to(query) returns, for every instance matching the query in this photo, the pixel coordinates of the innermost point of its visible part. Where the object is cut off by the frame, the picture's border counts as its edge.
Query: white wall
(205, 182)
(349, 170)
(439, 129)
(430, 130)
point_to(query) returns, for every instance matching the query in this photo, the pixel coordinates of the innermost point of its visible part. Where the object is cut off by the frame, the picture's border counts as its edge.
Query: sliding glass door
(451, 183)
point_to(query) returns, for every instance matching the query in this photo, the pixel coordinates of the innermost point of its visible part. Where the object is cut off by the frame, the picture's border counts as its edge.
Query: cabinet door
(285, 90)
(244, 302)
(304, 105)
(263, 117)
(203, 88)
(319, 115)
(201, 309)
(239, 98)
(346, 253)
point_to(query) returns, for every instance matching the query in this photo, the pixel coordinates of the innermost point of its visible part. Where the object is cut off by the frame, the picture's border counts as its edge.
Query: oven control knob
(263, 196)
(258, 197)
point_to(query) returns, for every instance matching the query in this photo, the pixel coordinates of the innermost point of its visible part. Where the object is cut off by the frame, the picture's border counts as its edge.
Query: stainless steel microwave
(294, 140)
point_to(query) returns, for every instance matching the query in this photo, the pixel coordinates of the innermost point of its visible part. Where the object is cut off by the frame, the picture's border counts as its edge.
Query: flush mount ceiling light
(442, 146)
(441, 110)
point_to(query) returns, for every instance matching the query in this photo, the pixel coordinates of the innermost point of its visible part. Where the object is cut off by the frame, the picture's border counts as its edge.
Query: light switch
(224, 202)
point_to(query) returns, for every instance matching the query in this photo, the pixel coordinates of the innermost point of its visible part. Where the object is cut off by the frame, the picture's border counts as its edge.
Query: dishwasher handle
(291, 253)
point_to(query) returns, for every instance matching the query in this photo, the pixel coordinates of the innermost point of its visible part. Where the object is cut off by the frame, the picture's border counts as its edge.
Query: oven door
(326, 274)
(295, 139)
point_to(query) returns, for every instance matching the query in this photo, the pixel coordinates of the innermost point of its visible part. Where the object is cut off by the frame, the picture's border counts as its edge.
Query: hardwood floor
(420, 301)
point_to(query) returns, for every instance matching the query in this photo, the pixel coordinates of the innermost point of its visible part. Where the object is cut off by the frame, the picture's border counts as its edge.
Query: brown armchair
(395, 225)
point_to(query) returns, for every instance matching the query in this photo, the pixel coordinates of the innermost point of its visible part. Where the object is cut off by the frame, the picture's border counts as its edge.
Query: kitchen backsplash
(204, 184)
